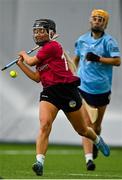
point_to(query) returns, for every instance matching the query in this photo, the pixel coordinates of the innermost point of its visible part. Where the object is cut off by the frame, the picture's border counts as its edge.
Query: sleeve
(113, 48)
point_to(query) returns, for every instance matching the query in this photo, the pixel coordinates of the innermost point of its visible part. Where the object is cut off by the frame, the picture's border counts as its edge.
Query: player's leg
(77, 120)
(47, 114)
(97, 123)
(90, 150)
(97, 127)
(88, 144)
(95, 106)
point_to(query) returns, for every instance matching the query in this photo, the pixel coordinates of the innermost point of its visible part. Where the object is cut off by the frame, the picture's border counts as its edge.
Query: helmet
(47, 24)
(101, 13)
(41, 24)
(52, 25)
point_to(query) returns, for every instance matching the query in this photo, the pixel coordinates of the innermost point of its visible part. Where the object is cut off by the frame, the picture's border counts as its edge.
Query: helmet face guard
(41, 24)
(47, 24)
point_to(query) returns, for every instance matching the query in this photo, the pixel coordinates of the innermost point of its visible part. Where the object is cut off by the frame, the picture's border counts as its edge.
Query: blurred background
(19, 97)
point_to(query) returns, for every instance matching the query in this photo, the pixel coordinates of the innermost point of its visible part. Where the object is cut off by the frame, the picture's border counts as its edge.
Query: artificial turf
(62, 162)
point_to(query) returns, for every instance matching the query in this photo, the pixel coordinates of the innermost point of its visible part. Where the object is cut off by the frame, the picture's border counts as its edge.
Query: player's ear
(51, 34)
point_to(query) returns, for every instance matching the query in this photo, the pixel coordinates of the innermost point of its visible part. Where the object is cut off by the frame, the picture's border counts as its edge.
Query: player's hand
(92, 57)
(22, 53)
(20, 60)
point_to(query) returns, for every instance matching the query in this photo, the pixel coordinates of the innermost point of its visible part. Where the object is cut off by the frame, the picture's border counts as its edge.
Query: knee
(83, 132)
(87, 132)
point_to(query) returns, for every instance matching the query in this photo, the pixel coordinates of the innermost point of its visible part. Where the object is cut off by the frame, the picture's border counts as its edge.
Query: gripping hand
(92, 57)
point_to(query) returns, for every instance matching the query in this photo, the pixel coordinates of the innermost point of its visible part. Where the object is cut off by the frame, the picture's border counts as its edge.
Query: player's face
(40, 34)
(97, 23)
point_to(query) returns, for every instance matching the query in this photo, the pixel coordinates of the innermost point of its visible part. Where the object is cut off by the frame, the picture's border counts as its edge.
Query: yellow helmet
(101, 13)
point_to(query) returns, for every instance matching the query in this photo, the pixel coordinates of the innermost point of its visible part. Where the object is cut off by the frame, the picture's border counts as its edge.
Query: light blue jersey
(96, 77)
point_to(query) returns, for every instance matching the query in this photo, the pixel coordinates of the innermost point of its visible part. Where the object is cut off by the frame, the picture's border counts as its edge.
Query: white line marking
(28, 152)
(90, 175)
(97, 175)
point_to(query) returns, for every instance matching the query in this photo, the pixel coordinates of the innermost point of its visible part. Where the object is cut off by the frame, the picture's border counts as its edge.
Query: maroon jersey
(53, 67)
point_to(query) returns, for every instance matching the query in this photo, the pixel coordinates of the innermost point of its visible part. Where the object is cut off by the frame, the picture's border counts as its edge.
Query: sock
(40, 158)
(88, 157)
(97, 140)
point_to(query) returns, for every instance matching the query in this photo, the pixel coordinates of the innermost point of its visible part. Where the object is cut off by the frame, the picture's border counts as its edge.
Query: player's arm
(113, 51)
(31, 61)
(76, 60)
(115, 61)
(31, 74)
